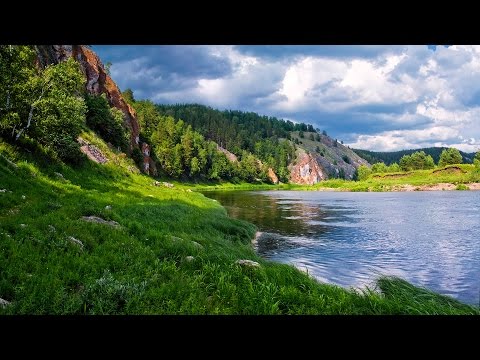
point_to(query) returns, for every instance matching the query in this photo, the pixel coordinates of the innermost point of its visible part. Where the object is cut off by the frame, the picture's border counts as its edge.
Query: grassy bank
(452, 177)
(173, 252)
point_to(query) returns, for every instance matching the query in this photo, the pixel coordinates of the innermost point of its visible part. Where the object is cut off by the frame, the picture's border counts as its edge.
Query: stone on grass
(98, 220)
(75, 241)
(59, 175)
(3, 190)
(108, 207)
(23, 197)
(167, 184)
(197, 245)
(4, 303)
(23, 225)
(51, 228)
(189, 258)
(247, 263)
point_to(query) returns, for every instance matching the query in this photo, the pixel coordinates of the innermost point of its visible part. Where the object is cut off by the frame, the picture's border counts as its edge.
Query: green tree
(379, 168)
(106, 121)
(317, 149)
(312, 138)
(300, 133)
(450, 156)
(317, 137)
(476, 160)
(363, 172)
(416, 161)
(394, 167)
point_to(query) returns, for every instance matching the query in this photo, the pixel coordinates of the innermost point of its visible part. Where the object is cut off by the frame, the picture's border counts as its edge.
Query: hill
(395, 156)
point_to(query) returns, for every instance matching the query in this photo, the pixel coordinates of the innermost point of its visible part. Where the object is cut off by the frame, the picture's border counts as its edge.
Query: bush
(363, 172)
(450, 156)
(346, 159)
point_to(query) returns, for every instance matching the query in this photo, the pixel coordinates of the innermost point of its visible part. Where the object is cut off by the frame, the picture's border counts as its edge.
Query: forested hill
(395, 156)
(232, 129)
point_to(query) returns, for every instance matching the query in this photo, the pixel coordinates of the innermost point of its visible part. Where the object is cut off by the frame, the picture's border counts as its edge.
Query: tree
(300, 133)
(346, 159)
(450, 156)
(128, 96)
(312, 138)
(394, 167)
(317, 137)
(363, 172)
(416, 161)
(379, 168)
(317, 149)
(324, 133)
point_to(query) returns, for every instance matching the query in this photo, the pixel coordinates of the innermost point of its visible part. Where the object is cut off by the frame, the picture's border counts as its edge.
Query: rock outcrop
(307, 171)
(230, 156)
(272, 176)
(98, 82)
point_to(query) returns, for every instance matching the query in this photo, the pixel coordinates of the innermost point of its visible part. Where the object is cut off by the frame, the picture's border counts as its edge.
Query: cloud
(372, 97)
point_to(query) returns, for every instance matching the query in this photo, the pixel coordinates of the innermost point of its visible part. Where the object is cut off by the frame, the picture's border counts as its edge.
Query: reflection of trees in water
(284, 216)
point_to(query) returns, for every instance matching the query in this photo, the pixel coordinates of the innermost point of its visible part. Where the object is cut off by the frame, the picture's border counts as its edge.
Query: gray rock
(189, 258)
(3, 190)
(75, 241)
(156, 183)
(176, 238)
(247, 263)
(108, 207)
(51, 228)
(167, 184)
(23, 197)
(197, 245)
(59, 175)
(4, 303)
(98, 220)
(23, 225)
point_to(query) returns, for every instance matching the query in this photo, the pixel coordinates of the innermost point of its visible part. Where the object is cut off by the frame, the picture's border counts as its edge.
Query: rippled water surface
(431, 238)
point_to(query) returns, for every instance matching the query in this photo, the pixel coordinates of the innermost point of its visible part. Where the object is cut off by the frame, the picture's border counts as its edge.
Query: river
(430, 238)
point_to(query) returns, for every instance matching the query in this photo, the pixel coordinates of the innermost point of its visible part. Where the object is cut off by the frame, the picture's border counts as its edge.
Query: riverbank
(103, 239)
(453, 177)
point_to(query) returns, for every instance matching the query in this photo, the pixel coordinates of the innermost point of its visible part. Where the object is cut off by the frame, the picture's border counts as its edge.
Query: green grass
(142, 267)
(376, 182)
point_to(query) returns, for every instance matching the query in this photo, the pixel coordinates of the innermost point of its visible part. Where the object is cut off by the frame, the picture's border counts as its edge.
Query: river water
(431, 238)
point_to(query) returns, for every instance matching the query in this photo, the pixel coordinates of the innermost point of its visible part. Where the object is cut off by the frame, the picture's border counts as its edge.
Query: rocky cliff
(321, 159)
(98, 81)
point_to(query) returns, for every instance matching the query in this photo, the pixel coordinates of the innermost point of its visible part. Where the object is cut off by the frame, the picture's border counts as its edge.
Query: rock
(167, 184)
(92, 152)
(108, 207)
(23, 197)
(197, 245)
(23, 225)
(75, 241)
(272, 176)
(98, 220)
(59, 175)
(189, 258)
(51, 228)
(4, 303)
(247, 263)
(3, 190)
(189, 190)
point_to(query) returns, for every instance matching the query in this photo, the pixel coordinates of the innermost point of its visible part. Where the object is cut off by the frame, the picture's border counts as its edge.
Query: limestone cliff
(98, 81)
(322, 158)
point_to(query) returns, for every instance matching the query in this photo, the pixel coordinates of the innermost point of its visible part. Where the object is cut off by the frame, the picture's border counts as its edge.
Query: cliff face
(98, 82)
(307, 171)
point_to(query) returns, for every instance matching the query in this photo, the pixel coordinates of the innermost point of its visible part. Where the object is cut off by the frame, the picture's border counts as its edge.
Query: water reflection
(428, 238)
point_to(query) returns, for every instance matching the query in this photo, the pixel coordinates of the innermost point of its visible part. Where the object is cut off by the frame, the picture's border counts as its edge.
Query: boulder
(98, 220)
(4, 303)
(189, 258)
(75, 241)
(247, 263)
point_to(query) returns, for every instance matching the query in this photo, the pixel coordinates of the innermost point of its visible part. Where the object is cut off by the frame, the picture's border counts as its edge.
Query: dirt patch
(449, 170)
(92, 152)
(473, 186)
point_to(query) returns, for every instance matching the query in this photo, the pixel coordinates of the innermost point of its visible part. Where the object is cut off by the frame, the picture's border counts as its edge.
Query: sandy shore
(408, 187)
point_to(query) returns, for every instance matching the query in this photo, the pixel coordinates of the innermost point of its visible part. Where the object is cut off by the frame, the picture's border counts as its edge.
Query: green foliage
(300, 133)
(417, 161)
(317, 149)
(43, 105)
(106, 121)
(128, 96)
(379, 168)
(317, 138)
(311, 137)
(394, 167)
(450, 156)
(462, 187)
(363, 172)
(477, 156)
(346, 159)
(395, 156)
(341, 173)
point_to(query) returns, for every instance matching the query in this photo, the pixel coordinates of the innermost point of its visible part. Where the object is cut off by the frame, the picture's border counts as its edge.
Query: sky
(374, 97)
